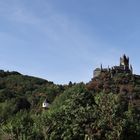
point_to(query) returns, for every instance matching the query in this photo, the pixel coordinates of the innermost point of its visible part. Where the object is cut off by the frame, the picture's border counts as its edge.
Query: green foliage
(69, 119)
(6, 110)
(86, 115)
(22, 127)
(19, 93)
(100, 110)
(21, 104)
(6, 94)
(67, 95)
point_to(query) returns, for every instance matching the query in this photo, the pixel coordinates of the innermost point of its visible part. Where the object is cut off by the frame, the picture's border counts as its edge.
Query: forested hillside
(106, 108)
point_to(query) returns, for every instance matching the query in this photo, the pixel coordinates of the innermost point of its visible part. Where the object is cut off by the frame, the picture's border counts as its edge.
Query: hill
(19, 92)
(106, 108)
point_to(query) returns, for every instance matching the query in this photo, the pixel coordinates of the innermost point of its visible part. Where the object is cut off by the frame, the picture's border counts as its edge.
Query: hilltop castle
(124, 67)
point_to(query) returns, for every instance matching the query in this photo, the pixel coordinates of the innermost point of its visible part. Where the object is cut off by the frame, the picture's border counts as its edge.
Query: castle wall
(96, 73)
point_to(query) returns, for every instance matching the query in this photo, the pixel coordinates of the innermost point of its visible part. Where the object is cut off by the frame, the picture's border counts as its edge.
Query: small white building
(45, 104)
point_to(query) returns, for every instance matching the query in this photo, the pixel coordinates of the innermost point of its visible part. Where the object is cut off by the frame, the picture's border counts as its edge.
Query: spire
(101, 67)
(124, 56)
(131, 68)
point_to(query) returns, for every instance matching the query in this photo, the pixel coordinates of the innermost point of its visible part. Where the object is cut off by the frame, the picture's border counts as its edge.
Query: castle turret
(124, 61)
(131, 69)
(101, 67)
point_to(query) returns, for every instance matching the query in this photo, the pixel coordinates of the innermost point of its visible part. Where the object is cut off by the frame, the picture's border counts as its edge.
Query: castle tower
(124, 61)
(101, 67)
(131, 69)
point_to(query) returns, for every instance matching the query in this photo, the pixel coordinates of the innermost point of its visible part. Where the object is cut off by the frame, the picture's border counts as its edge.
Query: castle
(122, 68)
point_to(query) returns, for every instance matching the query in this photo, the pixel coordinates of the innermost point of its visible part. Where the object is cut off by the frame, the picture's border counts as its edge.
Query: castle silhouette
(122, 68)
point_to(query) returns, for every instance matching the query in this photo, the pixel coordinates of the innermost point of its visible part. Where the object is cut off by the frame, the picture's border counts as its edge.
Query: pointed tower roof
(124, 56)
(101, 66)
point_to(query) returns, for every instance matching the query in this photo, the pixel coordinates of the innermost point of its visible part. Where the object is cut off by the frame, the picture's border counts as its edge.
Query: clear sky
(64, 40)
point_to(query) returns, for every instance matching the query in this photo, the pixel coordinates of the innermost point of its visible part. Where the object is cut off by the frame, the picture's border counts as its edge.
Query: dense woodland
(106, 108)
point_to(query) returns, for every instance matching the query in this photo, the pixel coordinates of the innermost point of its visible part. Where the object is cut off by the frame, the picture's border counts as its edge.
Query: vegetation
(106, 108)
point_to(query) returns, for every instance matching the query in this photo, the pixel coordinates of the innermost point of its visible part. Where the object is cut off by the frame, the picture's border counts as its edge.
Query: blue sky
(64, 40)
